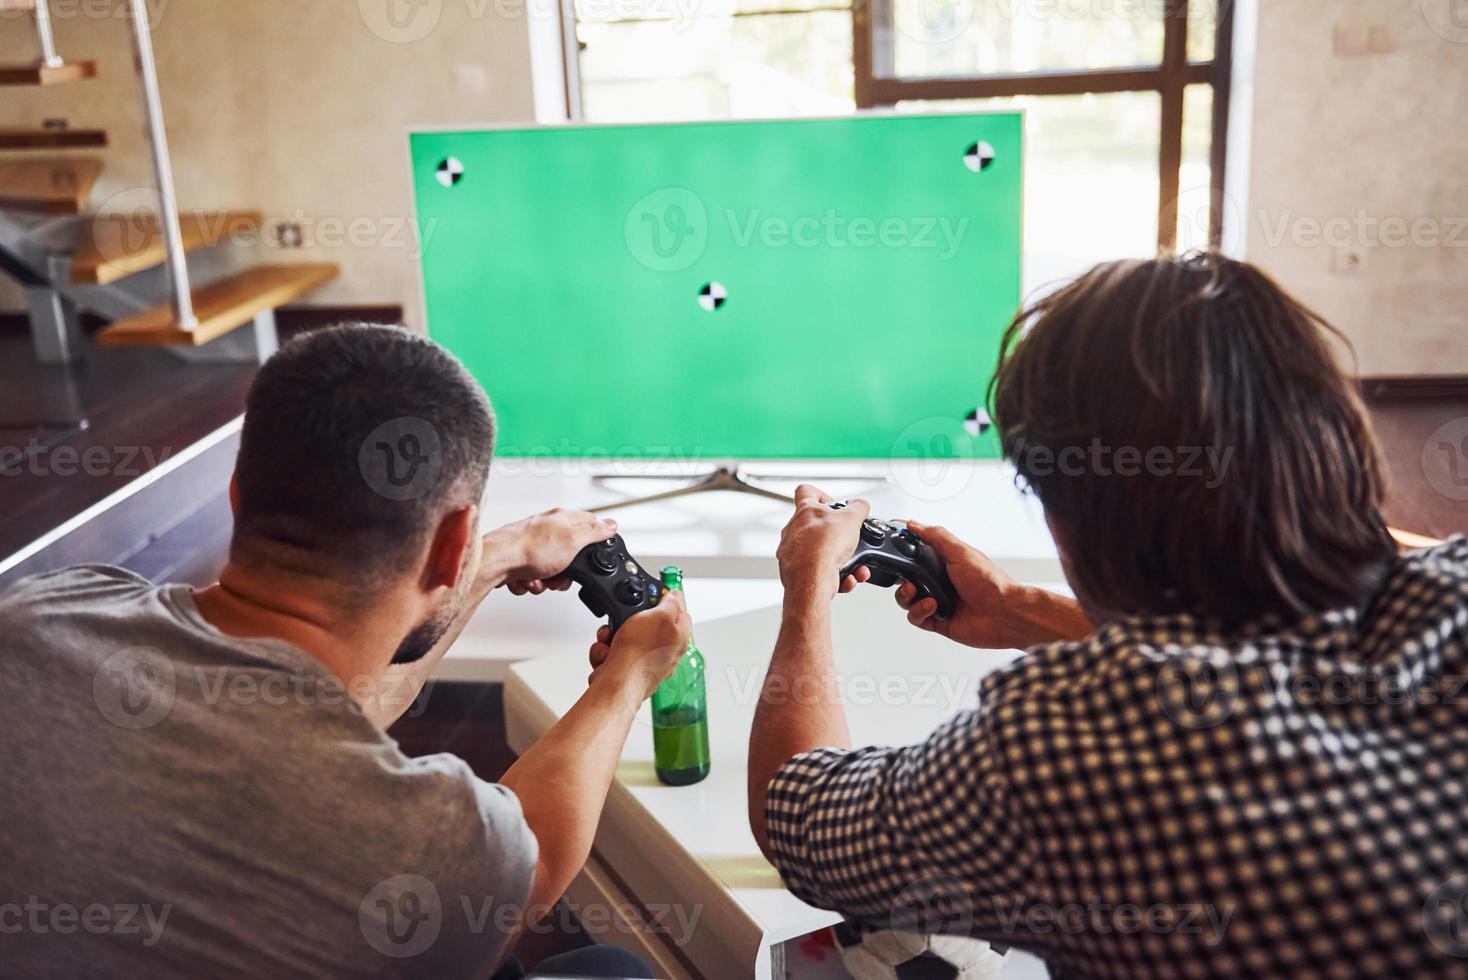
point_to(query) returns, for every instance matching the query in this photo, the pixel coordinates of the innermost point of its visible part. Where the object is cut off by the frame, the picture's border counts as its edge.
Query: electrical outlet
(472, 79)
(1351, 39)
(1348, 262)
(1381, 39)
(1360, 37)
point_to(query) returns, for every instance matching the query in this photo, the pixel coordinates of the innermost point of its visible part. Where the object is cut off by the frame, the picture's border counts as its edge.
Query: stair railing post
(177, 264)
(49, 57)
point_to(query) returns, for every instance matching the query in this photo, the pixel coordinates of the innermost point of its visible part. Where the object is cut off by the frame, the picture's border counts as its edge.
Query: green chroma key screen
(830, 288)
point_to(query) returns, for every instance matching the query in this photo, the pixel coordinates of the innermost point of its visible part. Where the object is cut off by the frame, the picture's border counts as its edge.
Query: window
(1126, 101)
(645, 60)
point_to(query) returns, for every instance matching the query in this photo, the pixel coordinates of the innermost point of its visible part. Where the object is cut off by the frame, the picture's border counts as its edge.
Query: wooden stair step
(122, 244)
(50, 186)
(50, 139)
(39, 74)
(220, 306)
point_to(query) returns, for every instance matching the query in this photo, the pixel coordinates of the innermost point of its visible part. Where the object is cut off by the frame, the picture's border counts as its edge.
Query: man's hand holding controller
(645, 650)
(816, 543)
(992, 610)
(529, 557)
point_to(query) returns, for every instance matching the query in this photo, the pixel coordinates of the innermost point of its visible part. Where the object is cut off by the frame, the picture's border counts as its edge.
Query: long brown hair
(1252, 484)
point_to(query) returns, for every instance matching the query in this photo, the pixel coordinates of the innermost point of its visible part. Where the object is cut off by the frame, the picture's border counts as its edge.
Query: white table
(690, 848)
(726, 542)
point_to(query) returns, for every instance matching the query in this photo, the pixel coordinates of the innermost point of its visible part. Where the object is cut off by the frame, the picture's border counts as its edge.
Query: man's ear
(234, 495)
(451, 540)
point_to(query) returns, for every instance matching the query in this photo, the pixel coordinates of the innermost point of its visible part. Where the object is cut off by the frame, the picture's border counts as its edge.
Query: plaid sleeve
(858, 830)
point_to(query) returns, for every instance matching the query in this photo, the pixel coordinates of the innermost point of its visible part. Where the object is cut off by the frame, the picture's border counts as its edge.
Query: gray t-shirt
(177, 801)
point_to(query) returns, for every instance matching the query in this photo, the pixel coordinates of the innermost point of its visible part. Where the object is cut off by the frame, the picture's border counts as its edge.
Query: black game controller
(612, 583)
(891, 552)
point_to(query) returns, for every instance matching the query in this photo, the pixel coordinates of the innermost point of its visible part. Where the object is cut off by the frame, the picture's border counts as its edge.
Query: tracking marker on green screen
(831, 288)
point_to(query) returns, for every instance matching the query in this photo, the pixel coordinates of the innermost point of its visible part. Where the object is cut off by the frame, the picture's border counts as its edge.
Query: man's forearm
(562, 781)
(1048, 617)
(799, 708)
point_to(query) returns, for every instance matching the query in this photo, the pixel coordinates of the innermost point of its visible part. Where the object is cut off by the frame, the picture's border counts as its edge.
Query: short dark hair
(325, 419)
(1169, 354)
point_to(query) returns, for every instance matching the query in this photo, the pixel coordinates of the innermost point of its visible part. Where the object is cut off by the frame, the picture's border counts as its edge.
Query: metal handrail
(177, 264)
(49, 57)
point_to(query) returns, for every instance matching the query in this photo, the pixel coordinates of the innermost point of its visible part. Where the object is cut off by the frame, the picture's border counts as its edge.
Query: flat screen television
(812, 289)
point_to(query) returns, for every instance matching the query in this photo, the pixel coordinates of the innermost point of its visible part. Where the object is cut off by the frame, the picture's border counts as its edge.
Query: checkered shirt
(1167, 800)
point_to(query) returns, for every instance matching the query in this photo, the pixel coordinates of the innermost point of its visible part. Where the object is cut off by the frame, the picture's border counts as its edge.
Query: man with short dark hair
(211, 764)
(1240, 751)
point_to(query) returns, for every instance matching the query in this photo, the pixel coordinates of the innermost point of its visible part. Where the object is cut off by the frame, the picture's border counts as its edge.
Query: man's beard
(417, 644)
(424, 637)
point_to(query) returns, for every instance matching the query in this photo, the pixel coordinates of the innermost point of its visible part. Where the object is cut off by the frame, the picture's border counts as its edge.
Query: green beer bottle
(680, 726)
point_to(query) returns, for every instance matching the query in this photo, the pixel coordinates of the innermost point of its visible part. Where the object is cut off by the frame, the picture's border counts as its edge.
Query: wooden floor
(139, 406)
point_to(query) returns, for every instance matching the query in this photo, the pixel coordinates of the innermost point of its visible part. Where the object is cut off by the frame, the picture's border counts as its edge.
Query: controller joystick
(891, 552)
(612, 583)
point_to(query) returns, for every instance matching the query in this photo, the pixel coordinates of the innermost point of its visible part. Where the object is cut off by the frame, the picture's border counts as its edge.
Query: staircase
(130, 269)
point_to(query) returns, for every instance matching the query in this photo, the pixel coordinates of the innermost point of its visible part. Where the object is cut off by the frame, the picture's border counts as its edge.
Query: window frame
(877, 86)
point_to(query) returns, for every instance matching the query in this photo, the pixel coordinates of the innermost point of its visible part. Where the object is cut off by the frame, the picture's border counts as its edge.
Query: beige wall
(297, 107)
(1358, 190)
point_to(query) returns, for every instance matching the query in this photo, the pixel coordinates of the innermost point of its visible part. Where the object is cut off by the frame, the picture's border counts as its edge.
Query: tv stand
(728, 478)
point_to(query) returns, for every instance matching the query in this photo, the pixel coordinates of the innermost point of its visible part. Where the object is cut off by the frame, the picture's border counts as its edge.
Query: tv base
(724, 478)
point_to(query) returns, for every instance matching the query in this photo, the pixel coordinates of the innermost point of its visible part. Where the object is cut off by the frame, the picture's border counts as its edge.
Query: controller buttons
(604, 559)
(907, 543)
(874, 531)
(631, 567)
(631, 592)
